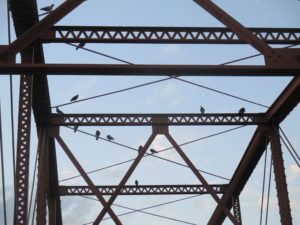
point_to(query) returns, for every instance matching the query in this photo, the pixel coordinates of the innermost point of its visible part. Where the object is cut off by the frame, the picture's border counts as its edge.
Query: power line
(183, 80)
(114, 92)
(290, 144)
(2, 170)
(145, 208)
(263, 187)
(166, 149)
(220, 92)
(269, 188)
(11, 98)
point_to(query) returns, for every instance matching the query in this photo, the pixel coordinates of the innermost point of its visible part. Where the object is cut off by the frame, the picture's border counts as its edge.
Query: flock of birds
(75, 128)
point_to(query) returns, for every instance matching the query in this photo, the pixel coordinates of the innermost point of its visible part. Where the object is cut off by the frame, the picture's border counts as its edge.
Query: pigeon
(140, 148)
(74, 98)
(110, 138)
(136, 183)
(47, 8)
(75, 128)
(80, 45)
(153, 151)
(242, 110)
(59, 111)
(202, 110)
(97, 134)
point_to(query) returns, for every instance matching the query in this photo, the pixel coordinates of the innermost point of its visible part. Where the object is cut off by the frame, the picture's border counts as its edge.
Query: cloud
(168, 50)
(168, 94)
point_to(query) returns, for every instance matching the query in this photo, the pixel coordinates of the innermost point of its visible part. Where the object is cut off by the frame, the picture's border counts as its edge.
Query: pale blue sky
(218, 155)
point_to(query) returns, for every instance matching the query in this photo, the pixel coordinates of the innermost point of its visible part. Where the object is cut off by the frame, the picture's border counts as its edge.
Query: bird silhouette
(80, 45)
(153, 151)
(74, 98)
(140, 148)
(202, 110)
(59, 111)
(242, 110)
(47, 8)
(136, 183)
(75, 128)
(97, 134)
(110, 138)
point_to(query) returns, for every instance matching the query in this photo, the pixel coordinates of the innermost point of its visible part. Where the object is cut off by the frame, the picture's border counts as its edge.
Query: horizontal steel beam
(143, 190)
(142, 70)
(166, 35)
(157, 119)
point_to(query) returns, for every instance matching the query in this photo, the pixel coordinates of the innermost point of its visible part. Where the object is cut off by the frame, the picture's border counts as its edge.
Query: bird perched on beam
(153, 151)
(140, 148)
(80, 45)
(58, 111)
(47, 8)
(202, 110)
(136, 183)
(97, 134)
(74, 98)
(242, 111)
(110, 138)
(75, 128)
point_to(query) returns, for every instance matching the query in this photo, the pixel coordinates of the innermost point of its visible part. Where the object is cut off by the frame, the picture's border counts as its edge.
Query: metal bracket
(289, 58)
(6, 57)
(160, 129)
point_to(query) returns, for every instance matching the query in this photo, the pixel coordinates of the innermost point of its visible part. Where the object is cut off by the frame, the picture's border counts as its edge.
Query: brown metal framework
(34, 93)
(159, 35)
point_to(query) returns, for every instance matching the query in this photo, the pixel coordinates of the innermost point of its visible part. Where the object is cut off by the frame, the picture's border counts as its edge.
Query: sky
(219, 155)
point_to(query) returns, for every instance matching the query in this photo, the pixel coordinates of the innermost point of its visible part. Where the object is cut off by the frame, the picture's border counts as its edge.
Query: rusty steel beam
(186, 119)
(201, 178)
(242, 32)
(33, 32)
(127, 175)
(42, 183)
(280, 178)
(143, 190)
(279, 110)
(87, 179)
(53, 198)
(237, 209)
(23, 150)
(142, 70)
(165, 35)
(285, 103)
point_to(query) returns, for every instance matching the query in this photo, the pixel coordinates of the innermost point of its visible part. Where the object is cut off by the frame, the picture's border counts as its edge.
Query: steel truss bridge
(34, 96)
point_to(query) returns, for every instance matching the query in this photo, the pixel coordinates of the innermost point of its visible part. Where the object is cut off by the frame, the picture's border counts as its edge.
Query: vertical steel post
(280, 178)
(42, 176)
(54, 207)
(23, 145)
(236, 208)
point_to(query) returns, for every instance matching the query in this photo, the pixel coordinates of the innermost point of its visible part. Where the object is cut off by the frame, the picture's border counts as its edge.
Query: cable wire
(145, 208)
(268, 197)
(2, 171)
(33, 183)
(183, 80)
(114, 92)
(11, 98)
(288, 148)
(263, 187)
(290, 144)
(166, 149)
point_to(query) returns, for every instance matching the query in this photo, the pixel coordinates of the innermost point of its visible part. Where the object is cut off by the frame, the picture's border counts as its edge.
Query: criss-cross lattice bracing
(183, 35)
(23, 145)
(143, 190)
(149, 119)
